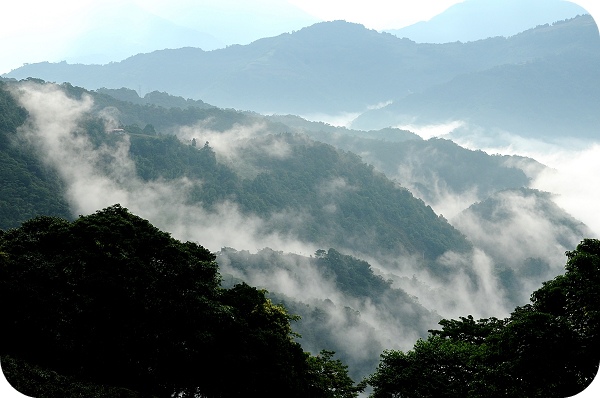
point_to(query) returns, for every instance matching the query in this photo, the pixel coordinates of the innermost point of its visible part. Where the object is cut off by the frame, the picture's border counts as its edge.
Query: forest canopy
(548, 348)
(111, 300)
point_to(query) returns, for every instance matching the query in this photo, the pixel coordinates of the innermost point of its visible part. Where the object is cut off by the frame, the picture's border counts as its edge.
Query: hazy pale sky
(39, 30)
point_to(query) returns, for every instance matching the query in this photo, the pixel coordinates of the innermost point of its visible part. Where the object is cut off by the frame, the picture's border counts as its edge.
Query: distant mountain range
(473, 20)
(337, 67)
(542, 98)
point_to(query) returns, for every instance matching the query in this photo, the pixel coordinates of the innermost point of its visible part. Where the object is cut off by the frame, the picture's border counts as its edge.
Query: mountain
(348, 308)
(109, 305)
(529, 225)
(160, 99)
(298, 188)
(442, 173)
(354, 252)
(542, 98)
(308, 71)
(473, 20)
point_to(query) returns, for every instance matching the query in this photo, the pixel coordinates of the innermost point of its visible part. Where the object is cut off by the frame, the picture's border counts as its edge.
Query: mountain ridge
(477, 20)
(296, 73)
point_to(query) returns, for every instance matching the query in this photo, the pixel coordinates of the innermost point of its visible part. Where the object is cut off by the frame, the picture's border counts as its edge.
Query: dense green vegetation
(344, 199)
(549, 348)
(108, 305)
(307, 178)
(102, 276)
(110, 301)
(27, 187)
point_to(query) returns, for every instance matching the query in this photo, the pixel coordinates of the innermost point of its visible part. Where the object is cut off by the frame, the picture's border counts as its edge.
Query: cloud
(432, 130)
(571, 172)
(454, 285)
(99, 177)
(341, 119)
(358, 328)
(574, 178)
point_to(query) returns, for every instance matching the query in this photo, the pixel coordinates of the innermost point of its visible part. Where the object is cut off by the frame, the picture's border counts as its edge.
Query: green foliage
(109, 299)
(325, 324)
(347, 200)
(353, 276)
(166, 157)
(40, 382)
(329, 377)
(28, 188)
(545, 349)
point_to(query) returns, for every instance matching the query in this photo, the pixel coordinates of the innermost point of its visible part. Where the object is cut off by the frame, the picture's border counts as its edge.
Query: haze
(91, 31)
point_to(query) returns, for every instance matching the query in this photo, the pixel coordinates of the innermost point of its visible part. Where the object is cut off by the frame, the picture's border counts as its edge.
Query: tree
(329, 377)
(111, 299)
(548, 348)
(574, 298)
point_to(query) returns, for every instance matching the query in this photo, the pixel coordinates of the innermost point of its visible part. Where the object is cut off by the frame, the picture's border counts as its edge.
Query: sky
(36, 30)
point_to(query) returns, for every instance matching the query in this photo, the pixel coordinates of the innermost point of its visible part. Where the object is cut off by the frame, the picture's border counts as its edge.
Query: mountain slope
(252, 185)
(544, 98)
(472, 20)
(27, 187)
(310, 70)
(345, 307)
(285, 185)
(529, 225)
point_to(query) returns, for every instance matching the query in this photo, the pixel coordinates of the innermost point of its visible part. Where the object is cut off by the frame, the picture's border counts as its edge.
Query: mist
(96, 178)
(571, 173)
(357, 328)
(452, 285)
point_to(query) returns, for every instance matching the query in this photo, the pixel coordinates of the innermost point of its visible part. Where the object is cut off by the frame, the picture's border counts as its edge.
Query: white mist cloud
(99, 177)
(360, 327)
(574, 178)
(572, 173)
(459, 285)
(341, 119)
(428, 131)
(521, 227)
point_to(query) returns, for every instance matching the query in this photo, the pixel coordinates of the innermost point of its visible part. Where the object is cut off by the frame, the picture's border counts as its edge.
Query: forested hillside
(546, 348)
(336, 199)
(109, 305)
(547, 227)
(293, 208)
(343, 305)
(27, 187)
